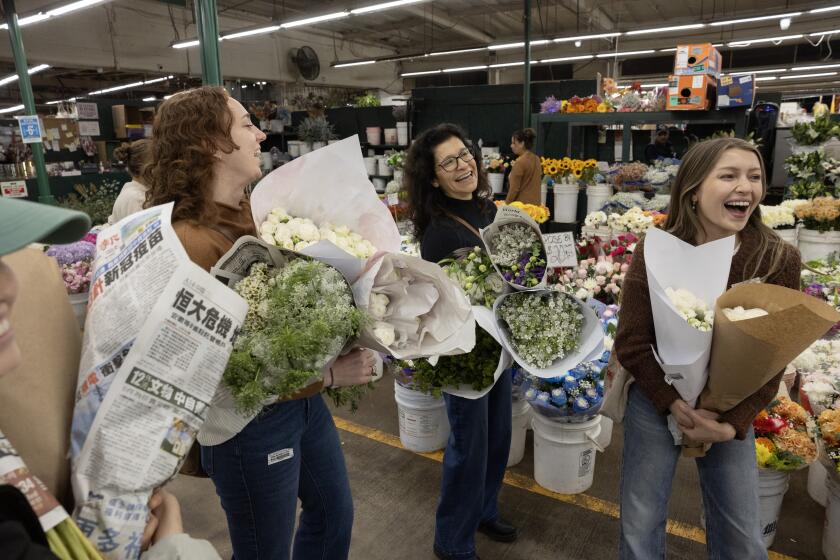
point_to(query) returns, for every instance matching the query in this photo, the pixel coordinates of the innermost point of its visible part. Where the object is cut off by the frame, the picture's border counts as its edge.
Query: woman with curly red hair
(205, 152)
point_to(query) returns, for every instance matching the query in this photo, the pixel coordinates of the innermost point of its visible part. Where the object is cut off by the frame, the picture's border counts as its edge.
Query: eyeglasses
(451, 163)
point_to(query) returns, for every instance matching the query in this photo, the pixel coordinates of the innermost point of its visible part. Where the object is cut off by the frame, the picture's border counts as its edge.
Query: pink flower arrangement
(621, 247)
(77, 276)
(600, 278)
(76, 263)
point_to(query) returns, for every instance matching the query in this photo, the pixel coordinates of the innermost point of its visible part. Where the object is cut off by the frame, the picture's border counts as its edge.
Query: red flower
(768, 425)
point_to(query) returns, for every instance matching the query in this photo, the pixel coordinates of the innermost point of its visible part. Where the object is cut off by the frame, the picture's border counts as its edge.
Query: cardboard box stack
(736, 91)
(693, 87)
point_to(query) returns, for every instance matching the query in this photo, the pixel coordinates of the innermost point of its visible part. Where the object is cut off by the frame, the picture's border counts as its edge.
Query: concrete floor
(395, 494)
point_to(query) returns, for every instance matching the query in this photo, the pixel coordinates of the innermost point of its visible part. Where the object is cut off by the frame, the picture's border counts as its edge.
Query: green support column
(44, 194)
(208, 35)
(526, 89)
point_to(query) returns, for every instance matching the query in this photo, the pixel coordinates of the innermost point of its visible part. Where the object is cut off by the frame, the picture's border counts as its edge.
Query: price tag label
(30, 128)
(560, 249)
(393, 199)
(14, 189)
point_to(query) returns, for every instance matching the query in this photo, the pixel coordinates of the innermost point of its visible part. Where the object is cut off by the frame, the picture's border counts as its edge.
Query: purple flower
(73, 252)
(815, 290)
(551, 105)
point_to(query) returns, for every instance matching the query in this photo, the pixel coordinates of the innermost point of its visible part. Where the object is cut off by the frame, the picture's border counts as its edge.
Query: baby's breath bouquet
(543, 326)
(473, 270)
(299, 318)
(518, 252)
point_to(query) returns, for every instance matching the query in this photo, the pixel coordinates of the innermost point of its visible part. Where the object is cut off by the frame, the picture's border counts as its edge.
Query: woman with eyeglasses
(450, 199)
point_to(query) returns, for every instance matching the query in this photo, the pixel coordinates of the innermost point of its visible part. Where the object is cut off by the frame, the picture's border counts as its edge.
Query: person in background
(205, 152)
(661, 146)
(21, 536)
(133, 194)
(716, 194)
(526, 173)
(449, 200)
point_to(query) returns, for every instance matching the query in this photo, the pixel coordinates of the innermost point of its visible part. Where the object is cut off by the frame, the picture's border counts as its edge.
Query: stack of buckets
(564, 453)
(424, 426)
(772, 486)
(521, 415)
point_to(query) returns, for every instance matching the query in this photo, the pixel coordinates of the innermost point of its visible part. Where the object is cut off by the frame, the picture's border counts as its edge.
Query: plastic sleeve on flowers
(742, 415)
(636, 334)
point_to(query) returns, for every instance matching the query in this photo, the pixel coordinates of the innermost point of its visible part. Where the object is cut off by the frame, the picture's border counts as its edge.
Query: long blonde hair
(683, 221)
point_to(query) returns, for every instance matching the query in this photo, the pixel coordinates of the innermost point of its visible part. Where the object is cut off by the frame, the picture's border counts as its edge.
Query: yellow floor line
(591, 503)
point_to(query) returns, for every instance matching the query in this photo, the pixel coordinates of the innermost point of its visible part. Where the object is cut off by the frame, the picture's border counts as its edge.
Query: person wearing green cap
(21, 536)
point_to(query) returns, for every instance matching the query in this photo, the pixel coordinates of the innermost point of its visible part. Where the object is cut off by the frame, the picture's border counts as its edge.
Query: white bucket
(521, 415)
(402, 133)
(305, 148)
(398, 175)
(564, 454)
(831, 527)
(374, 135)
(370, 165)
(318, 145)
(597, 196)
(390, 135)
(605, 437)
(497, 182)
(816, 245)
(772, 486)
(79, 303)
(294, 148)
(424, 425)
(384, 168)
(543, 193)
(818, 483)
(379, 183)
(788, 235)
(565, 203)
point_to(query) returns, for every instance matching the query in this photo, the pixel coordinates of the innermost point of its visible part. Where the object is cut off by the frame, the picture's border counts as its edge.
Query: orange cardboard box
(693, 60)
(692, 93)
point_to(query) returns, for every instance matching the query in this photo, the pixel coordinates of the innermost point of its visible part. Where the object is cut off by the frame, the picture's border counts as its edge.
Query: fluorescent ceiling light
(672, 49)
(567, 58)
(516, 45)
(802, 76)
(186, 44)
(14, 77)
(823, 10)
(360, 63)
(57, 101)
(129, 86)
(749, 42)
(12, 109)
(585, 37)
(260, 31)
(665, 29)
(766, 78)
(383, 6)
(72, 7)
(507, 64)
(316, 19)
(424, 73)
(152, 98)
(759, 18)
(771, 71)
(459, 51)
(818, 67)
(821, 33)
(628, 53)
(156, 80)
(465, 68)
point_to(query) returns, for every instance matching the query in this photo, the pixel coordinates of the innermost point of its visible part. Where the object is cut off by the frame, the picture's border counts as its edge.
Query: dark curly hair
(190, 128)
(527, 136)
(134, 155)
(425, 202)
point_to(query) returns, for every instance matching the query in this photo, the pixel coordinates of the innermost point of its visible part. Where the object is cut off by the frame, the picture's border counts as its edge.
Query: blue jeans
(728, 480)
(473, 467)
(290, 450)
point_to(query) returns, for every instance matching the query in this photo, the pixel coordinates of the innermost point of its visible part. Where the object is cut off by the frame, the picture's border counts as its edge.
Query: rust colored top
(525, 178)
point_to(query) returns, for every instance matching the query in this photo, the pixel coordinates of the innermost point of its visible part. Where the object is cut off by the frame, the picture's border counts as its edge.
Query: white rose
(268, 227)
(582, 294)
(739, 313)
(283, 233)
(342, 230)
(268, 239)
(328, 235)
(384, 333)
(308, 232)
(378, 306)
(355, 237)
(287, 244)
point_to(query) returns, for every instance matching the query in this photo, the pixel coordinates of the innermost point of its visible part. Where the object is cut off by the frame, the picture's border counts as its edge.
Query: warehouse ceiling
(406, 36)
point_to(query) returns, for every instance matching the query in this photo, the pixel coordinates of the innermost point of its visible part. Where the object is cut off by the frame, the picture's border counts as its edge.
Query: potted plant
(496, 166)
(315, 132)
(396, 161)
(400, 113)
(820, 234)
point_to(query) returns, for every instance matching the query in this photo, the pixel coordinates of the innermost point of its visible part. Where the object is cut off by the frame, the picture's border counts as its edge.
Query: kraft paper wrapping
(747, 354)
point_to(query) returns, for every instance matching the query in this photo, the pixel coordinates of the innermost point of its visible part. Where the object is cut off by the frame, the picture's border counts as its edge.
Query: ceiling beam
(439, 17)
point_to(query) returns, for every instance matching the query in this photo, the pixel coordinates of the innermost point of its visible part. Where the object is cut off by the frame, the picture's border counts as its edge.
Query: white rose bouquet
(296, 234)
(778, 217)
(694, 310)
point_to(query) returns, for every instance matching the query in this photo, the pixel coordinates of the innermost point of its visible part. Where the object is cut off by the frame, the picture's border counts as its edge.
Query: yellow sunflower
(563, 166)
(591, 163)
(577, 172)
(552, 170)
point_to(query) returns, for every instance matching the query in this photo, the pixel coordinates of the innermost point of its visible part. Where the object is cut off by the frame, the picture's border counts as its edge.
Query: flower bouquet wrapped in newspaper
(516, 248)
(684, 281)
(548, 332)
(158, 333)
(783, 439)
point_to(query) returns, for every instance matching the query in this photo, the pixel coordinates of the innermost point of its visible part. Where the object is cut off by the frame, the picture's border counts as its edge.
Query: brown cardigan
(206, 245)
(636, 331)
(524, 180)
